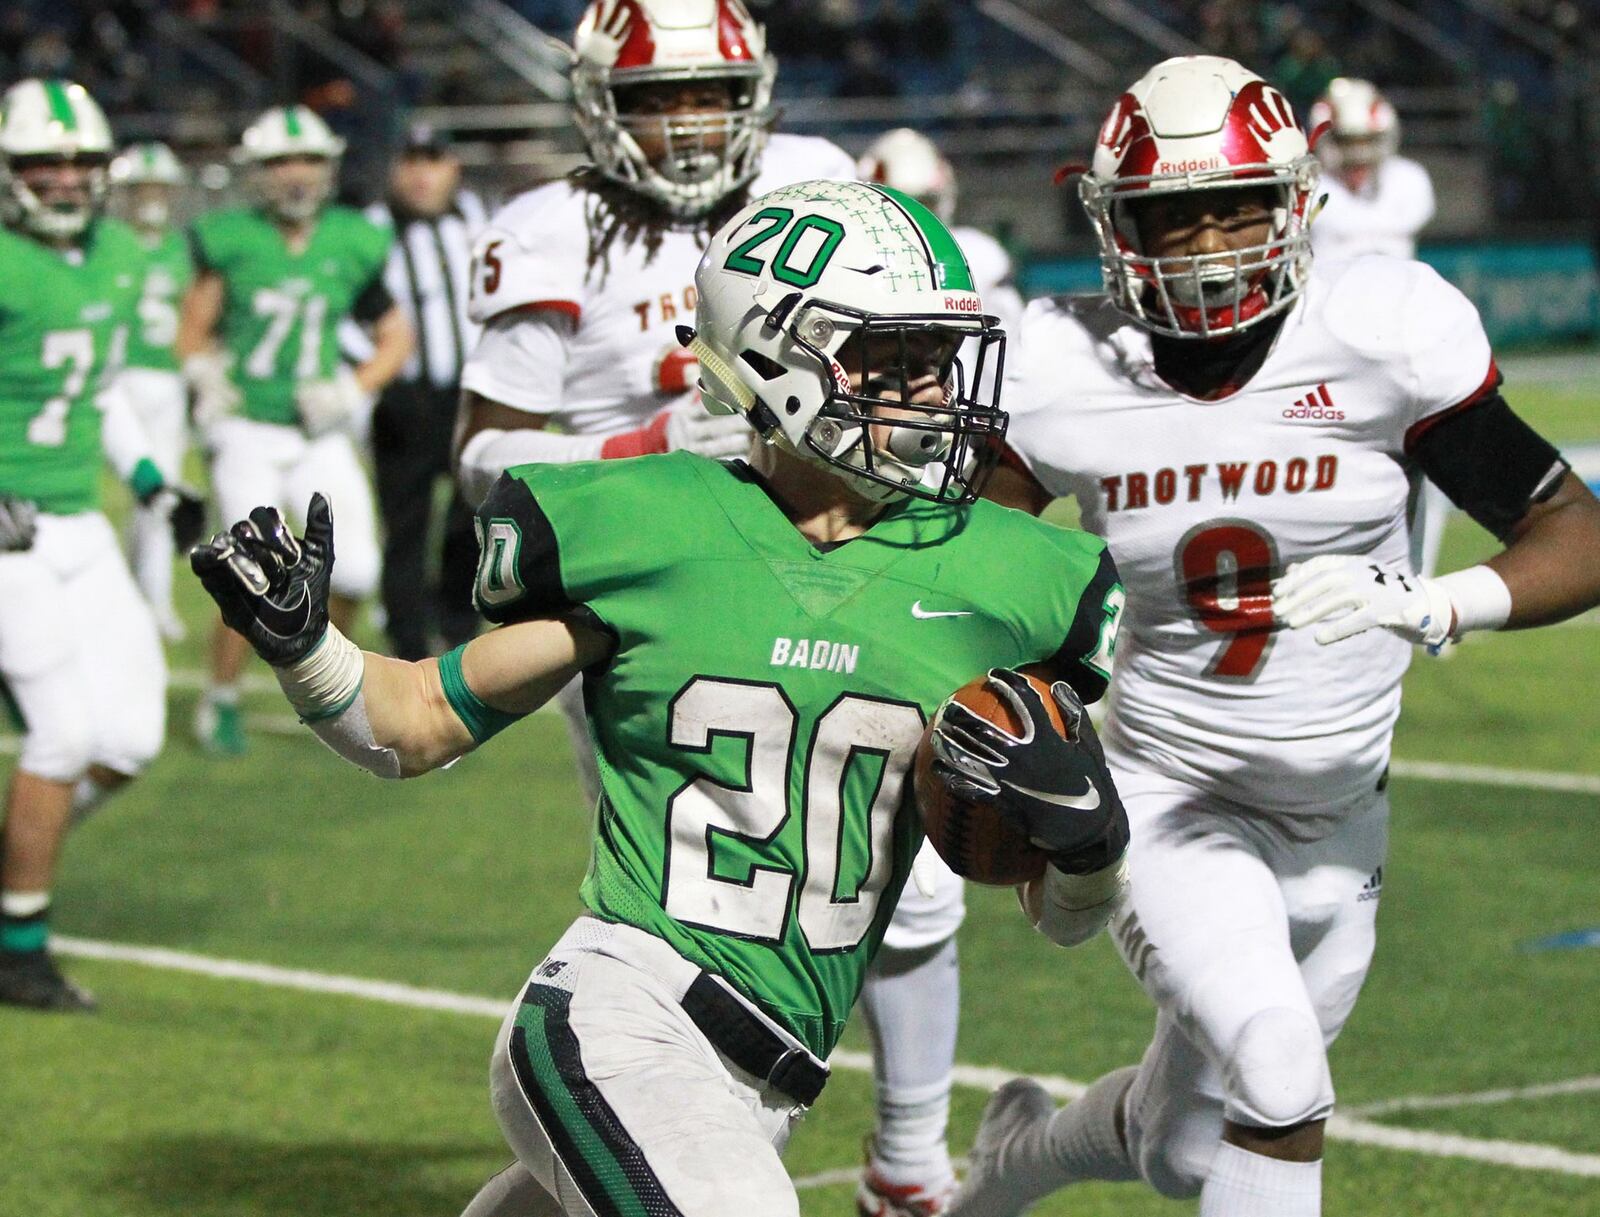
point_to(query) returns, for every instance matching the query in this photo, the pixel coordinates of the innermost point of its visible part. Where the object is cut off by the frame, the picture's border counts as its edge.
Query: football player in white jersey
(581, 284)
(1246, 427)
(1377, 200)
(910, 162)
(911, 1002)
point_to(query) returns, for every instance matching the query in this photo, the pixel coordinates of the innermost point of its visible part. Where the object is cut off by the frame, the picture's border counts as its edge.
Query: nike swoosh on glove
(19, 522)
(691, 428)
(1057, 791)
(1348, 595)
(271, 586)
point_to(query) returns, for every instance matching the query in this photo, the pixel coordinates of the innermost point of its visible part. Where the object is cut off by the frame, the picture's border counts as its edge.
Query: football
(972, 837)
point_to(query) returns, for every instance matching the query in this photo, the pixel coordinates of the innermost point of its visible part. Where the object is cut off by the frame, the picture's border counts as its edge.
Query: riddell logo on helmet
(1191, 166)
(1318, 405)
(963, 304)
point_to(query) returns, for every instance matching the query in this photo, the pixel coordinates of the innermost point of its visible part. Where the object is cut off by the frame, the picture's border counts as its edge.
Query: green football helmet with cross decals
(827, 313)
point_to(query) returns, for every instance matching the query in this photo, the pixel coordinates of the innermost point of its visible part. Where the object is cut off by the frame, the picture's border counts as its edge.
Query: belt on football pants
(745, 1039)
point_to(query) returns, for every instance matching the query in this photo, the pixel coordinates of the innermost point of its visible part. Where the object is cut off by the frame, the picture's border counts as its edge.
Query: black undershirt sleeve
(374, 300)
(1488, 461)
(1072, 661)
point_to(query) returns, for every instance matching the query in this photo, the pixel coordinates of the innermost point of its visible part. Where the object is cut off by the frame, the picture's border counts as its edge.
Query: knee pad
(1277, 1075)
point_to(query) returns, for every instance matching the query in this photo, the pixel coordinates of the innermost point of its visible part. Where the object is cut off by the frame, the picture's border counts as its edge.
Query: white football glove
(215, 394)
(690, 427)
(326, 405)
(1352, 595)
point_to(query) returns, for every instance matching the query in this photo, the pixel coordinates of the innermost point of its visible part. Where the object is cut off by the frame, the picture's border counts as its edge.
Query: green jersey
(281, 308)
(756, 723)
(168, 270)
(62, 323)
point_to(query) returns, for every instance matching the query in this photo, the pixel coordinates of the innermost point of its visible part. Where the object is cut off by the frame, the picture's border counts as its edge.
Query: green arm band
(146, 479)
(483, 721)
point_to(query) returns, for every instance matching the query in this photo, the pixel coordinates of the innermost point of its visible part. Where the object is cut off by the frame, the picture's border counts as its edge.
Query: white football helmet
(146, 178)
(1362, 126)
(699, 158)
(1201, 122)
(911, 163)
(803, 270)
(279, 134)
(45, 121)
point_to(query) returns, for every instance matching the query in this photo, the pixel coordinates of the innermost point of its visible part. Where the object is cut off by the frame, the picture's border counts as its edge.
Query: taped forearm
(325, 690)
(1071, 909)
(490, 453)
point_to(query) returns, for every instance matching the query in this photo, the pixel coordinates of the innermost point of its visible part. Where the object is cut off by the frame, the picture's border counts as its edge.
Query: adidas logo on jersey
(1372, 888)
(1318, 406)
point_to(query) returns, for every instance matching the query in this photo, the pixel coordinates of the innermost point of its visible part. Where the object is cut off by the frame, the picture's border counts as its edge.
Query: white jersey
(623, 361)
(1384, 218)
(992, 275)
(1204, 502)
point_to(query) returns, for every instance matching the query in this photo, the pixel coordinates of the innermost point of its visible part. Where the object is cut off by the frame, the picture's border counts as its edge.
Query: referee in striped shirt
(435, 222)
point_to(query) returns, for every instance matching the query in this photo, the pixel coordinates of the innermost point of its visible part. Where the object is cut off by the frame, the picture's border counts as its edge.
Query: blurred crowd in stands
(1528, 88)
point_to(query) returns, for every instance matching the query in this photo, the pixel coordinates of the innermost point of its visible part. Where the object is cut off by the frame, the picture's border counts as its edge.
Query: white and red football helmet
(1362, 126)
(1201, 122)
(910, 162)
(621, 43)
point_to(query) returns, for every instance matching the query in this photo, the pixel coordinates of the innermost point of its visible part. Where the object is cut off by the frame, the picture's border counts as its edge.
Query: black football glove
(185, 511)
(19, 521)
(272, 588)
(1057, 791)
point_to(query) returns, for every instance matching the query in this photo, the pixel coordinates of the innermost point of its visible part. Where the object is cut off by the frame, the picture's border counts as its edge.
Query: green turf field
(194, 1095)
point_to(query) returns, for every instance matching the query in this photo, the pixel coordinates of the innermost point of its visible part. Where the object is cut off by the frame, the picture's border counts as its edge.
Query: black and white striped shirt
(427, 274)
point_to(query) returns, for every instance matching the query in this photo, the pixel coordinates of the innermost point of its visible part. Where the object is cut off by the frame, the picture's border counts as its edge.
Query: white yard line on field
(1489, 775)
(1440, 1145)
(1477, 1098)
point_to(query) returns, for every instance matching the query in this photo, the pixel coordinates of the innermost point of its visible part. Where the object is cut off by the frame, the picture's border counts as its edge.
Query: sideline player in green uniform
(258, 343)
(146, 180)
(79, 654)
(762, 644)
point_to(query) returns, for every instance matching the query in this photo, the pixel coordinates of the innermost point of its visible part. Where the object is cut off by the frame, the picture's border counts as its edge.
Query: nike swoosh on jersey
(1078, 802)
(922, 614)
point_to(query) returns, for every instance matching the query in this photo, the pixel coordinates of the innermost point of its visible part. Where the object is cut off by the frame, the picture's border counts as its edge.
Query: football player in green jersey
(79, 652)
(146, 181)
(258, 343)
(762, 643)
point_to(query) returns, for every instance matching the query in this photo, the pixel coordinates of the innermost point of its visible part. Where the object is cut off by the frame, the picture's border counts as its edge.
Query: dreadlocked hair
(615, 213)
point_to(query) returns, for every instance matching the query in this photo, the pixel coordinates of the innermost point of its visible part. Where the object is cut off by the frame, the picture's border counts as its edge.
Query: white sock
(223, 695)
(1081, 1142)
(1244, 1184)
(909, 1145)
(912, 1003)
(23, 904)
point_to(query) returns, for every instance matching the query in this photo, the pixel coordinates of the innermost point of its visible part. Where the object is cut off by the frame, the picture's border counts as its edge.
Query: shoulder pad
(533, 252)
(802, 158)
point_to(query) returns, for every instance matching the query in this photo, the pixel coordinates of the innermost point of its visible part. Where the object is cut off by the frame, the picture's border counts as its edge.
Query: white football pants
(79, 652)
(614, 1101)
(265, 465)
(1252, 933)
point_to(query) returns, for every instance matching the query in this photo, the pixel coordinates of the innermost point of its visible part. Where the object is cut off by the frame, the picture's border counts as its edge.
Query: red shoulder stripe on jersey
(569, 307)
(1422, 426)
